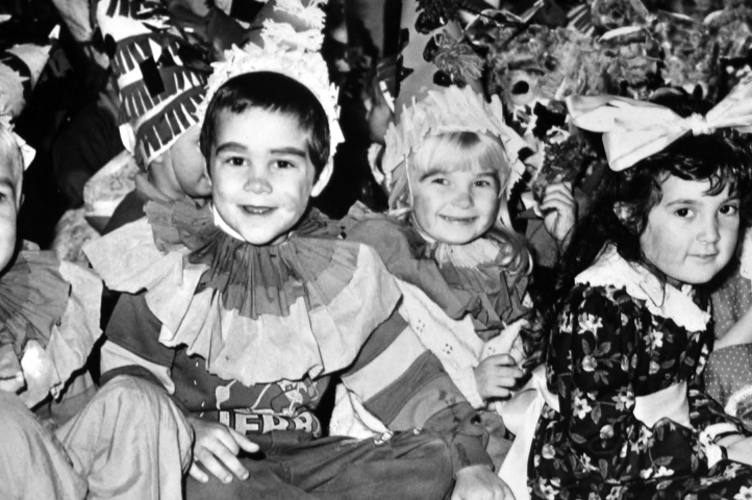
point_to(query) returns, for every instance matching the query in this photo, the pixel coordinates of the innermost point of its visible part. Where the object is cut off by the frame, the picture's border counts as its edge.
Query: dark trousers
(411, 465)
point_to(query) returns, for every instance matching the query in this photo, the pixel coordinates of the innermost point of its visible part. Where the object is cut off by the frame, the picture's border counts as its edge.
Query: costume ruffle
(50, 320)
(256, 314)
(662, 300)
(495, 298)
(473, 279)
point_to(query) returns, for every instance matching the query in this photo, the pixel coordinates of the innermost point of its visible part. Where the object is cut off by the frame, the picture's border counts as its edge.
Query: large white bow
(633, 130)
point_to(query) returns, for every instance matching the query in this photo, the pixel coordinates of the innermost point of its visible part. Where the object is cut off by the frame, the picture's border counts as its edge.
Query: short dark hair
(276, 92)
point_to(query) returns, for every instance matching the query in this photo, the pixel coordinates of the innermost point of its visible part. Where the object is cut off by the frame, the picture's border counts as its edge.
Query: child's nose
(709, 232)
(258, 183)
(463, 199)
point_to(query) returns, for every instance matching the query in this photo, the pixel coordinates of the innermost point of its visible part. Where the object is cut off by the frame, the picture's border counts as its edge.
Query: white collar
(220, 223)
(662, 300)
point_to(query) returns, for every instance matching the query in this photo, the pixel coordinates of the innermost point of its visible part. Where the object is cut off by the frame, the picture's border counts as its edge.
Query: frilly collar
(33, 295)
(256, 314)
(49, 315)
(662, 300)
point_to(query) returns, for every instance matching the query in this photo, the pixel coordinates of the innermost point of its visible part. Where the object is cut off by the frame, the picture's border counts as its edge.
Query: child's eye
(442, 181)
(284, 164)
(235, 161)
(484, 184)
(729, 209)
(684, 212)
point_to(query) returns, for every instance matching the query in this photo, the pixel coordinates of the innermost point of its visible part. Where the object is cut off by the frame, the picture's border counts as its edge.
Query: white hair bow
(27, 152)
(634, 130)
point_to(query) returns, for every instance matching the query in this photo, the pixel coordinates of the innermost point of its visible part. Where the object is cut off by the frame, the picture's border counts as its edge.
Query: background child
(728, 376)
(446, 236)
(159, 108)
(260, 303)
(50, 321)
(630, 342)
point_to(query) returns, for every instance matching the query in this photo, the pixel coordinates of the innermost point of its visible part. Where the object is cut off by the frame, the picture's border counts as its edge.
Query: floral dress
(624, 361)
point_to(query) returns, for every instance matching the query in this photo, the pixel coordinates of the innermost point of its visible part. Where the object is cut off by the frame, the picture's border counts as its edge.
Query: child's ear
(323, 180)
(158, 161)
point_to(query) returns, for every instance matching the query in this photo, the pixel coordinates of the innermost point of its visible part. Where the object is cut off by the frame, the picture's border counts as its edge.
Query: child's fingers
(245, 444)
(501, 360)
(197, 474)
(507, 372)
(557, 201)
(220, 460)
(210, 462)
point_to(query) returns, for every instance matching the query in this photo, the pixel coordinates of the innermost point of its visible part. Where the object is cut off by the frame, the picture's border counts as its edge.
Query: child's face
(10, 202)
(262, 175)
(188, 164)
(690, 235)
(455, 206)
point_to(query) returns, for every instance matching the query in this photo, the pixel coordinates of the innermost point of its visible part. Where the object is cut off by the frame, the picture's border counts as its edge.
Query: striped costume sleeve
(405, 386)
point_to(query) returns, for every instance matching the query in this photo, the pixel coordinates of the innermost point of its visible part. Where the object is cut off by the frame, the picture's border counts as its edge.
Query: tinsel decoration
(433, 14)
(457, 60)
(566, 161)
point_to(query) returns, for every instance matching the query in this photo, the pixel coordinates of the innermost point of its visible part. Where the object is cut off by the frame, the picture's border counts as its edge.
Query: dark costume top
(625, 361)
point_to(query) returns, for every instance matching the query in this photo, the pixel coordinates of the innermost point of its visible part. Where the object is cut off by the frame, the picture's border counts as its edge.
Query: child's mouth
(256, 210)
(458, 220)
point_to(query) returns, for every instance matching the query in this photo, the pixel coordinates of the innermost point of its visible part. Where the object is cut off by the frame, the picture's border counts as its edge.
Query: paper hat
(439, 90)
(20, 69)
(289, 48)
(161, 77)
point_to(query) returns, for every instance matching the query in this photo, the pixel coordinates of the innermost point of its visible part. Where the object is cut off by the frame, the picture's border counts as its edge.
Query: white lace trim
(664, 301)
(732, 407)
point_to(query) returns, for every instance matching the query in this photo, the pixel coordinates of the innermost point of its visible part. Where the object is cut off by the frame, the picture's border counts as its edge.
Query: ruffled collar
(256, 314)
(252, 280)
(49, 311)
(33, 297)
(476, 274)
(661, 300)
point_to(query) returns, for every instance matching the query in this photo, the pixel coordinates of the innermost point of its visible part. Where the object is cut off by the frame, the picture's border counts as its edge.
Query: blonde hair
(10, 153)
(465, 151)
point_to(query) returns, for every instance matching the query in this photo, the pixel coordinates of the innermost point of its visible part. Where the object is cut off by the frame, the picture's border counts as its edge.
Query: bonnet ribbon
(634, 130)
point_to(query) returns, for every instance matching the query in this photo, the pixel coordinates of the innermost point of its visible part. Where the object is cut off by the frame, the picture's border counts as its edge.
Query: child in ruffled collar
(50, 320)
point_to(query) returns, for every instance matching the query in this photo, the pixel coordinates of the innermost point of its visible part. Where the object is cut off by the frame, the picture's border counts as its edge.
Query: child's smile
(691, 235)
(455, 206)
(262, 174)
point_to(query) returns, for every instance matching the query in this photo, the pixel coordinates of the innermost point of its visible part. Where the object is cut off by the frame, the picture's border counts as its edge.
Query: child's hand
(478, 482)
(740, 451)
(216, 448)
(559, 210)
(496, 375)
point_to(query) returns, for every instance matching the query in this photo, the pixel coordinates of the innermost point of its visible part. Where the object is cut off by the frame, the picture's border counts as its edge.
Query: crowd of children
(554, 300)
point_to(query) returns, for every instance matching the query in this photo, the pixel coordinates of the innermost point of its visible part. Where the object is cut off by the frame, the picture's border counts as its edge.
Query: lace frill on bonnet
(451, 110)
(289, 52)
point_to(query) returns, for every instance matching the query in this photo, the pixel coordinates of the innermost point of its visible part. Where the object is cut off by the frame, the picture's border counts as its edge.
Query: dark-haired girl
(626, 417)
